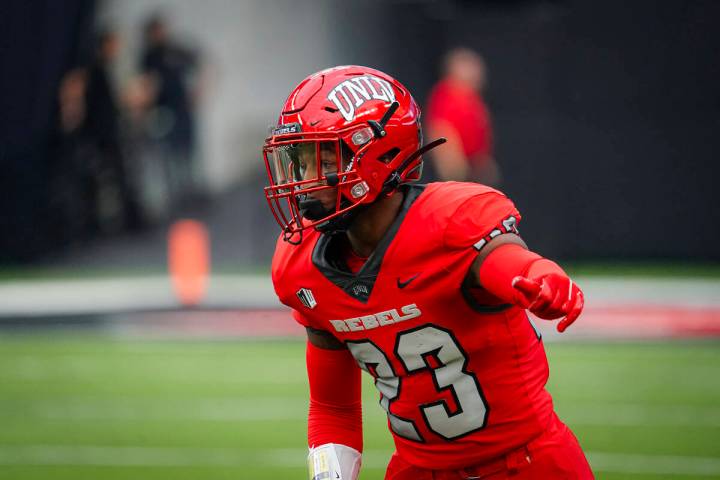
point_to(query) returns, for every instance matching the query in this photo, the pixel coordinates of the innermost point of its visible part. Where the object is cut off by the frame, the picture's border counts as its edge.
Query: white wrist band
(333, 461)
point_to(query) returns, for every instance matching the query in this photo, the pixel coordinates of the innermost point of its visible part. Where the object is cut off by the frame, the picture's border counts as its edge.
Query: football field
(87, 406)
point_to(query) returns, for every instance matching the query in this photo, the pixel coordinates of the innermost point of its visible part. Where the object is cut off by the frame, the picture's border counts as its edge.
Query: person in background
(102, 127)
(456, 110)
(171, 70)
(90, 122)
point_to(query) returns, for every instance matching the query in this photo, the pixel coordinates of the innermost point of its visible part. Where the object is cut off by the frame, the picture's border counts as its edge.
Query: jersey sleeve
(307, 321)
(301, 319)
(479, 219)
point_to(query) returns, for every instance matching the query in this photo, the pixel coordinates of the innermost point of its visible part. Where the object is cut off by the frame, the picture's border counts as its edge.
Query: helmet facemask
(314, 181)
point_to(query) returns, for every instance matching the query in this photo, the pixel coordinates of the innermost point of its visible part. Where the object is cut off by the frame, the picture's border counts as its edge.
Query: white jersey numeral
(373, 360)
(415, 348)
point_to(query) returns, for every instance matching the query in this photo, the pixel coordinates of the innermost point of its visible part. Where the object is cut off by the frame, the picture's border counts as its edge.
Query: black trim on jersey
(477, 306)
(326, 258)
(330, 341)
(532, 325)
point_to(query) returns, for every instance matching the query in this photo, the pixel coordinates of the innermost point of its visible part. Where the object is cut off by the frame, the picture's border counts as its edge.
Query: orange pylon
(189, 260)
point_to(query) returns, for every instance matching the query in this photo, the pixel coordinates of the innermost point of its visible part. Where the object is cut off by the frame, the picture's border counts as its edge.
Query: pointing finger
(529, 288)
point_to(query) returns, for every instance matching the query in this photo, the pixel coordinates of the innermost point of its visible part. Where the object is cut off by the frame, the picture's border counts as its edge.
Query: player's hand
(549, 297)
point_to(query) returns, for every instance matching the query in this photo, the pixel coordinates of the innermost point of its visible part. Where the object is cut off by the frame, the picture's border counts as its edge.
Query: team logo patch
(306, 298)
(360, 290)
(352, 93)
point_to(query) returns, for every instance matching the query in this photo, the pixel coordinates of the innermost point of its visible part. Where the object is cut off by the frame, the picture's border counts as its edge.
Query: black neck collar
(327, 252)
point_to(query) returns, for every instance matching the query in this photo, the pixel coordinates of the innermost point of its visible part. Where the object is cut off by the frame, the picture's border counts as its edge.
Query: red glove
(549, 297)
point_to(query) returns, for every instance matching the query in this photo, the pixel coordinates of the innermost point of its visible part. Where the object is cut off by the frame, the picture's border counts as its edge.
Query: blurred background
(127, 124)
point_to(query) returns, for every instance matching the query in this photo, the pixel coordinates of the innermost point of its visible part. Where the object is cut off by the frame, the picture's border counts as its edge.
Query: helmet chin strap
(395, 179)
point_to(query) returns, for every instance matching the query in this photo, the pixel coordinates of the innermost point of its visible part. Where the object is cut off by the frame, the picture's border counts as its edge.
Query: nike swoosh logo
(404, 284)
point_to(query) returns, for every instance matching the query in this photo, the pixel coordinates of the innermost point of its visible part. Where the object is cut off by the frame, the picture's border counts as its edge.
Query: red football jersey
(462, 378)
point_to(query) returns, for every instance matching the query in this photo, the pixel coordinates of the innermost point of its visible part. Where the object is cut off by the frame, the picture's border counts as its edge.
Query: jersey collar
(360, 285)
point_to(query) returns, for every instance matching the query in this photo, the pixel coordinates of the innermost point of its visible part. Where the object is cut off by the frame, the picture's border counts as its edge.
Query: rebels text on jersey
(462, 380)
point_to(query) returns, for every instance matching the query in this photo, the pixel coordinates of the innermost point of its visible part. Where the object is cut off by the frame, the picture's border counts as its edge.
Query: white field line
(641, 415)
(294, 408)
(260, 409)
(294, 458)
(75, 296)
(49, 368)
(67, 296)
(147, 456)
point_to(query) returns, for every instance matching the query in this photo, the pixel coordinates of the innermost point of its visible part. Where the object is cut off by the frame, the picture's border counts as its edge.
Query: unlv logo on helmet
(350, 94)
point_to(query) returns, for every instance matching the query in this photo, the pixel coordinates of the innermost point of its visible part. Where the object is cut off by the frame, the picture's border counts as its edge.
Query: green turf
(74, 407)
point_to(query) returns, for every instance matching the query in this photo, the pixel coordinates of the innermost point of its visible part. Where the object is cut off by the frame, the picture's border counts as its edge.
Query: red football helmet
(346, 136)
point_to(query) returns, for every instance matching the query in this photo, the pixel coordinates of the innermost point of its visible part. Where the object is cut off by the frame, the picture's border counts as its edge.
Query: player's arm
(335, 413)
(508, 270)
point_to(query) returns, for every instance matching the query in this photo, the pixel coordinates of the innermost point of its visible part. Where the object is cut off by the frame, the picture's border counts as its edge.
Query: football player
(425, 287)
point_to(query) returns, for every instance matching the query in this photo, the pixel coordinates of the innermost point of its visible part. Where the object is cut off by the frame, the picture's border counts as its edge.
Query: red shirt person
(457, 111)
(425, 288)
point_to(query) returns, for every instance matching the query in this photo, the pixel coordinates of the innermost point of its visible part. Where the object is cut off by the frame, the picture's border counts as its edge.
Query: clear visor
(306, 161)
(310, 168)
